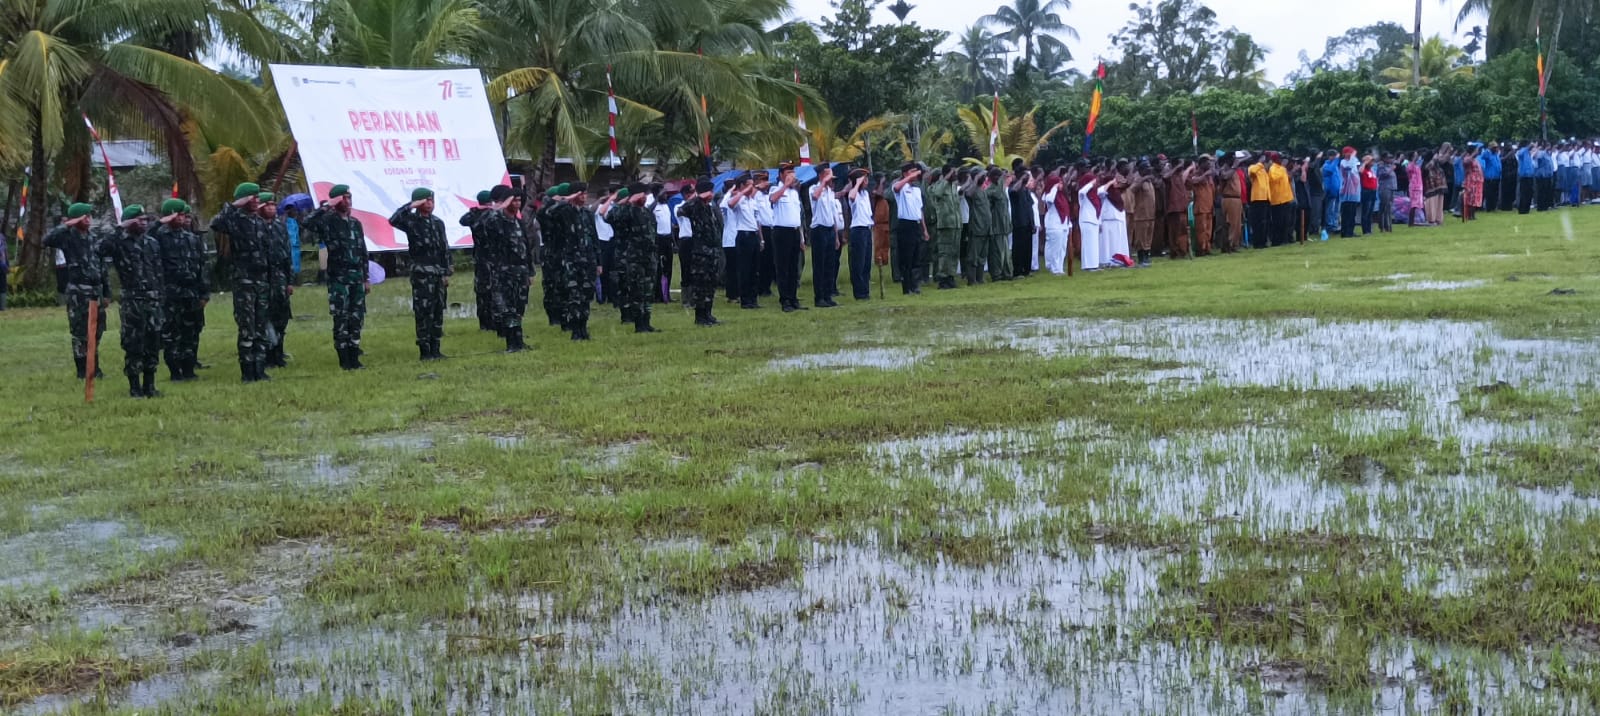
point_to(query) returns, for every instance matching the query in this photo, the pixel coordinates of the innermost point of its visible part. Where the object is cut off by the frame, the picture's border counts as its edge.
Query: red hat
(1349, 150)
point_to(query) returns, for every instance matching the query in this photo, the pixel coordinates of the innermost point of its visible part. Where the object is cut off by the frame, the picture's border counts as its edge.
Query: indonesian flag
(800, 110)
(994, 128)
(611, 116)
(111, 177)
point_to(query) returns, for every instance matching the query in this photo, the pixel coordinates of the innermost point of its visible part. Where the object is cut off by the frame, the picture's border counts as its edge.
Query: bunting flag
(994, 129)
(111, 177)
(611, 116)
(1094, 107)
(800, 111)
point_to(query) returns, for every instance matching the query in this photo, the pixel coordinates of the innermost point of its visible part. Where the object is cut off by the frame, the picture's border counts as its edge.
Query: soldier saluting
(186, 285)
(348, 285)
(705, 257)
(513, 264)
(247, 241)
(137, 256)
(429, 251)
(88, 287)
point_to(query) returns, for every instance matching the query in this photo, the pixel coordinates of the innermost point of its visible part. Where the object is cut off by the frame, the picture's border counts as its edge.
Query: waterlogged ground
(1347, 478)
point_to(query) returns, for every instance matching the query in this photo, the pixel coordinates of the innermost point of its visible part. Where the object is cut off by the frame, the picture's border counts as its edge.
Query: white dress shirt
(908, 203)
(663, 215)
(602, 230)
(785, 209)
(825, 211)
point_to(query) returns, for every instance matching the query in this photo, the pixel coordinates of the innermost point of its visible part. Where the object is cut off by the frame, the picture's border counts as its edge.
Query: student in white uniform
(1057, 224)
(1089, 220)
(608, 252)
(666, 243)
(1114, 219)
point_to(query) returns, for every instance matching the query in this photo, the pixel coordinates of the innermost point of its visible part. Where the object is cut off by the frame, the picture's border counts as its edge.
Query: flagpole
(1544, 117)
(611, 117)
(805, 134)
(111, 177)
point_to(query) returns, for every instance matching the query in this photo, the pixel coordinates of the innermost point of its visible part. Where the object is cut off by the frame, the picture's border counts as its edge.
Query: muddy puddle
(73, 554)
(851, 359)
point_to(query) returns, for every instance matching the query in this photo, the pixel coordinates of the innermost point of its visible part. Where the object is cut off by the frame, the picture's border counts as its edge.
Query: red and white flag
(611, 116)
(994, 129)
(800, 110)
(111, 177)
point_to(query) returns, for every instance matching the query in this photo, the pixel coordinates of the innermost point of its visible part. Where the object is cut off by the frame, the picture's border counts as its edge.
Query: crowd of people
(932, 226)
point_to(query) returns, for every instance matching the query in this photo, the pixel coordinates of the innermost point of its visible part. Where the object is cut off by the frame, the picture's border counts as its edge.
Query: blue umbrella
(303, 202)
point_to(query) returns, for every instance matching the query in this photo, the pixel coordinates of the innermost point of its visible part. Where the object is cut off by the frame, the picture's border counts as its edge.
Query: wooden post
(94, 349)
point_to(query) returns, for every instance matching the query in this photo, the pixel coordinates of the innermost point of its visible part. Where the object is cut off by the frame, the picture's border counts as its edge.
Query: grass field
(1345, 477)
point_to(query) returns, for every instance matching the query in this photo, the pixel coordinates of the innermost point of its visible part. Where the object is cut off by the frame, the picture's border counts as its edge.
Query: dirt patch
(28, 679)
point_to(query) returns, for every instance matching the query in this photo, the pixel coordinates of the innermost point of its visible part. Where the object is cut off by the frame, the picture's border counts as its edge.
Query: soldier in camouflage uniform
(704, 259)
(187, 286)
(944, 212)
(88, 287)
(580, 261)
(637, 262)
(247, 241)
(429, 252)
(348, 285)
(513, 264)
(137, 256)
(481, 269)
(549, 253)
(280, 267)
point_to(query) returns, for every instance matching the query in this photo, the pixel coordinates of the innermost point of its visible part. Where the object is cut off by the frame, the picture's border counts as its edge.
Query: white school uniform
(1056, 229)
(1089, 230)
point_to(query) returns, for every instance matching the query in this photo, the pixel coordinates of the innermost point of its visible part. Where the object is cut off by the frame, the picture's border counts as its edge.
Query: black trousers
(861, 262)
(785, 248)
(1347, 217)
(608, 278)
(730, 271)
(1022, 250)
(666, 246)
(1491, 194)
(1283, 223)
(1508, 194)
(1524, 194)
(1314, 214)
(824, 263)
(766, 268)
(908, 234)
(1547, 193)
(748, 249)
(1260, 224)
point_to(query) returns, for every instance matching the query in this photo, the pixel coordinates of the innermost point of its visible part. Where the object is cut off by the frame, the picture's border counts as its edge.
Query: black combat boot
(261, 370)
(174, 370)
(247, 372)
(79, 361)
(423, 352)
(702, 316)
(434, 347)
(98, 371)
(276, 358)
(580, 329)
(134, 389)
(150, 385)
(355, 358)
(642, 325)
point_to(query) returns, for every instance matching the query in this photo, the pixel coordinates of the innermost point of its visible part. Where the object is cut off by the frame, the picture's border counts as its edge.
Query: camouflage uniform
(513, 267)
(347, 279)
(87, 283)
(280, 266)
(187, 286)
(482, 269)
(575, 260)
(944, 212)
(550, 263)
(247, 241)
(705, 257)
(636, 261)
(137, 256)
(429, 251)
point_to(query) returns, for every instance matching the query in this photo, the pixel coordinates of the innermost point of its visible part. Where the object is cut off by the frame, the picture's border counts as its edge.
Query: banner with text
(387, 132)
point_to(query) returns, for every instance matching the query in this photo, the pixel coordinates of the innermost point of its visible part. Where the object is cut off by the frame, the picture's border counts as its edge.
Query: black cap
(703, 186)
(577, 187)
(500, 193)
(637, 187)
(908, 166)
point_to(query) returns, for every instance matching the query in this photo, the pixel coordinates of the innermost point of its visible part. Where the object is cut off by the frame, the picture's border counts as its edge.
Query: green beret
(339, 190)
(562, 189)
(246, 189)
(266, 197)
(133, 211)
(420, 193)
(79, 210)
(622, 193)
(174, 206)
(483, 197)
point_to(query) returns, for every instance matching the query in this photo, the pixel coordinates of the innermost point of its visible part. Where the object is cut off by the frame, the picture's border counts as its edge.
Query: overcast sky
(1284, 27)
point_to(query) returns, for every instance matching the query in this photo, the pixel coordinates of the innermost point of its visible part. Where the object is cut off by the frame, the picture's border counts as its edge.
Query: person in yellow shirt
(1282, 200)
(1260, 203)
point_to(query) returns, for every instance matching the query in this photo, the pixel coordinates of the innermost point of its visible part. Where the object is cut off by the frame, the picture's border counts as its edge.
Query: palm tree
(978, 60)
(58, 60)
(1019, 136)
(1512, 22)
(1241, 63)
(399, 33)
(1477, 37)
(901, 9)
(1030, 22)
(1437, 62)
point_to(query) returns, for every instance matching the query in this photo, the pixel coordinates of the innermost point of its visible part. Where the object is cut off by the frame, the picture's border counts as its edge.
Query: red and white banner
(387, 132)
(800, 111)
(611, 116)
(111, 176)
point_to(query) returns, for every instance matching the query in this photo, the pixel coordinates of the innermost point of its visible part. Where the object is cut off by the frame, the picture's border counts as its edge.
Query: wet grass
(1263, 483)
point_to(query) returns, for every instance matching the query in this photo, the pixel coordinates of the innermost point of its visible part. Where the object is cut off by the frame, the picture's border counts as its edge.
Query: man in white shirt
(910, 231)
(606, 290)
(766, 273)
(666, 243)
(860, 198)
(786, 242)
(741, 204)
(827, 238)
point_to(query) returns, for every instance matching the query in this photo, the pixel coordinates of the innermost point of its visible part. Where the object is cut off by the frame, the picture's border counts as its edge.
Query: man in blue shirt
(1491, 176)
(1525, 177)
(1459, 177)
(1332, 186)
(1544, 176)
